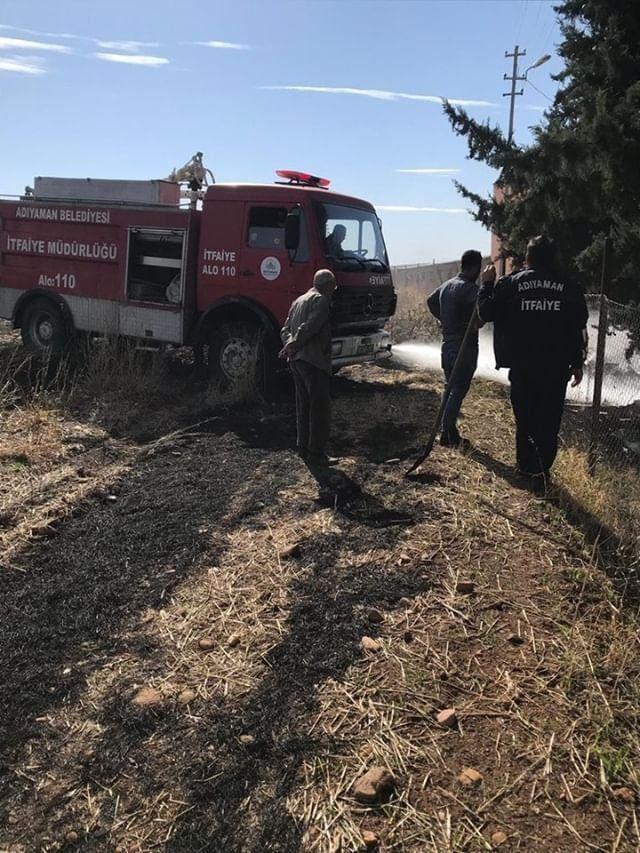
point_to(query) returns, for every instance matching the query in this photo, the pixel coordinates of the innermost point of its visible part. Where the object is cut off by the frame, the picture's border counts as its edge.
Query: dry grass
(608, 501)
(412, 320)
(287, 710)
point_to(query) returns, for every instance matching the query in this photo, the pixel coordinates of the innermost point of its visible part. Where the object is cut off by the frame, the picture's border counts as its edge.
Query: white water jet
(621, 383)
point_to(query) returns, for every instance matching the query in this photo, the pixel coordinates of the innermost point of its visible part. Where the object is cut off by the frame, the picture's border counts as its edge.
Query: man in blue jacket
(539, 333)
(453, 304)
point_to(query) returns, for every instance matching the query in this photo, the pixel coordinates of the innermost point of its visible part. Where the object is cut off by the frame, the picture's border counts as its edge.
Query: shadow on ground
(340, 492)
(391, 422)
(66, 599)
(73, 601)
(613, 555)
(236, 793)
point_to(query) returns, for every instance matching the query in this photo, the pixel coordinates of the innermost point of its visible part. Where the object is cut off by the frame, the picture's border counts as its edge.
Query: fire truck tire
(43, 328)
(237, 355)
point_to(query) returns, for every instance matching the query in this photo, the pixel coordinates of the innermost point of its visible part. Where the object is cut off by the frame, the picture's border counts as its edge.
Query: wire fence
(425, 278)
(601, 433)
(606, 417)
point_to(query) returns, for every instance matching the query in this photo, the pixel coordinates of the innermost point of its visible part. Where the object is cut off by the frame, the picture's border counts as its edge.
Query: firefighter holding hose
(539, 332)
(454, 305)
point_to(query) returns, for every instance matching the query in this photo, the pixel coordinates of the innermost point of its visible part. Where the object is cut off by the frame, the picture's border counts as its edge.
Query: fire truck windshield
(352, 237)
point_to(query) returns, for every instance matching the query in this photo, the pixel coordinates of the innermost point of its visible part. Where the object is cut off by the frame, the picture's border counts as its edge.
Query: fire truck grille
(362, 304)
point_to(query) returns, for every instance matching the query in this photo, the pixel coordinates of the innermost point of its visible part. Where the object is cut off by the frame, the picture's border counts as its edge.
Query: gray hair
(322, 278)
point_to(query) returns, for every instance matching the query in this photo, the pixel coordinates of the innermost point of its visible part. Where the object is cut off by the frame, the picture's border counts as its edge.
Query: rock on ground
(470, 776)
(147, 697)
(376, 784)
(448, 718)
(370, 645)
(369, 838)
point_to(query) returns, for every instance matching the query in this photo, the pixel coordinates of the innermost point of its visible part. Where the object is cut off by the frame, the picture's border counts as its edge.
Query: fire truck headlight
(336, 348)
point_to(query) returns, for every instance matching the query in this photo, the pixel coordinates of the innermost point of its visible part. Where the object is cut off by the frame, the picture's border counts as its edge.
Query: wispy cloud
(428, 171)
(40, 33)
(122, 45)
(220, 45)
(381, 95)
(24, 65)
(7, 43)
(408, 208)
(127, 46)
(534, 108)
(133, 59)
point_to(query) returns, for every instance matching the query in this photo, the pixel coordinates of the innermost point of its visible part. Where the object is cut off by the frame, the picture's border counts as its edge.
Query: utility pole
(514, 79)
(513, 94)
(517, 53)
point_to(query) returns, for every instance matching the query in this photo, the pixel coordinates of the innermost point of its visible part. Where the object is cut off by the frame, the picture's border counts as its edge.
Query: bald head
(325, 282)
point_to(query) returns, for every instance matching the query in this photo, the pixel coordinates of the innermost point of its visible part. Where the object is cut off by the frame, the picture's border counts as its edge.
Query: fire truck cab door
(267, 270)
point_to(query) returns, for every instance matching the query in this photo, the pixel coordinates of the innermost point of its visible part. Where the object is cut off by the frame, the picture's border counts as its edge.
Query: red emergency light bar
(305, 178)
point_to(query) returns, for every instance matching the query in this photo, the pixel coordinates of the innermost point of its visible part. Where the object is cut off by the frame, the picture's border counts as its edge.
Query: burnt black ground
(75, 602)
(71, 602)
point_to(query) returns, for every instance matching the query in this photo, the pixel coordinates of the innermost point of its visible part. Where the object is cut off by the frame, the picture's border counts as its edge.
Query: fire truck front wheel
(236, 355)
(43, 327)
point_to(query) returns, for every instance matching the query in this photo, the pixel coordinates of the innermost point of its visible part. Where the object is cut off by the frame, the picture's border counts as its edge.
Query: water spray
(472, 326)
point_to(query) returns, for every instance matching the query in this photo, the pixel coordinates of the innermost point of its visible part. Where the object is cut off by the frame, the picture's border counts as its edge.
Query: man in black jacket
(453, 304)
(539, 333)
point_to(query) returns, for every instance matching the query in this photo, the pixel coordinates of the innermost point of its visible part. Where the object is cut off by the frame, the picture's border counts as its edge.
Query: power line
(535, 23)
(523, 15)
(539, 91)
(549, 33)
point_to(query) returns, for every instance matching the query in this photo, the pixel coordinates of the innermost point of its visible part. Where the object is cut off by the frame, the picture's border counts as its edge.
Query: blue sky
(131, 88)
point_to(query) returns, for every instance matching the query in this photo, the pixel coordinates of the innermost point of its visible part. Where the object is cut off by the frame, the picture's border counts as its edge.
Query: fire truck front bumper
(356, 349)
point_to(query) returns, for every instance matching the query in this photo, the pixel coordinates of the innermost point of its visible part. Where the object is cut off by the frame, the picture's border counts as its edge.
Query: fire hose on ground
(471, 328)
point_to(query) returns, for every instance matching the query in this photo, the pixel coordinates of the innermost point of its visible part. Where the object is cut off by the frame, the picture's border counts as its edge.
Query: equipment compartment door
(154, 285)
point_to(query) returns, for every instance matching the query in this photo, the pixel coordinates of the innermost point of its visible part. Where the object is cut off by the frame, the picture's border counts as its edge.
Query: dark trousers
(538, 401)
(462, 380)
(313, 406)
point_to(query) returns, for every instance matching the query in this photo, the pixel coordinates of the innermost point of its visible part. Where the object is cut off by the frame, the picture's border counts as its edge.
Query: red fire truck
(123, 258)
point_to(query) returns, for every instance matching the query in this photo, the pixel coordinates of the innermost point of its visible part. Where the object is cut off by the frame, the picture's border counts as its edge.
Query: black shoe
(451, 438)
(535, 481)
(532, 475)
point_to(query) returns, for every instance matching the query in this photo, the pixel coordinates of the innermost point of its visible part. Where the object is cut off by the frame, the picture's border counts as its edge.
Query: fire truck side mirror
(292, 230)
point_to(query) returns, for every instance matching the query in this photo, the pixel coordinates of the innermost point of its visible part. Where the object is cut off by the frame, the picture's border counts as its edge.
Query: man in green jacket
(306, 336)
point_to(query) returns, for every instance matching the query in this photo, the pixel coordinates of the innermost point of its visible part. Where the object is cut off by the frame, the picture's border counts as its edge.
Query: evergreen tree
(579, 180)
